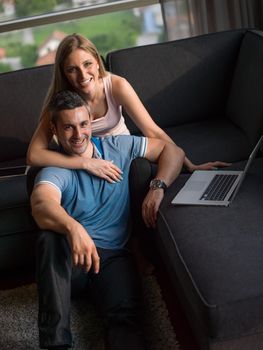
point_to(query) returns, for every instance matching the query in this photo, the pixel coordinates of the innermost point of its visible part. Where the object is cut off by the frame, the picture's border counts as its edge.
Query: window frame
(74, 13)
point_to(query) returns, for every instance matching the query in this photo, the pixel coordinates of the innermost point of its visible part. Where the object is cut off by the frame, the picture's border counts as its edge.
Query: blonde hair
(59, 82)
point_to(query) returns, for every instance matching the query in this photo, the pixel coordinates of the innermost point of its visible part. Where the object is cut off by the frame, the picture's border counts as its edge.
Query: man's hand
(170, 160)
(84, 252)
(151, 206)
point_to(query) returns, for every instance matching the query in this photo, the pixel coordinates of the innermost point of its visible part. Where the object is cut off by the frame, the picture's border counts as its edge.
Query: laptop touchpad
(195, 185)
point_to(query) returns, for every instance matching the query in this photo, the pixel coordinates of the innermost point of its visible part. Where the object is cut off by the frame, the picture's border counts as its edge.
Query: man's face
(73, 130)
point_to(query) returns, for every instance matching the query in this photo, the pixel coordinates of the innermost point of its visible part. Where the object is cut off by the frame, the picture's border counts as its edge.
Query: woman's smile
(86, 82)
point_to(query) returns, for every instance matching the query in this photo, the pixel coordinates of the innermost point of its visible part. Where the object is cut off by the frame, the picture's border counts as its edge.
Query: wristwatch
(157, 183)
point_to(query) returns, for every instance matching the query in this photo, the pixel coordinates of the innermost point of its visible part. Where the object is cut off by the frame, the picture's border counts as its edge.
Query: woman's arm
(39, 155)
(126, 96)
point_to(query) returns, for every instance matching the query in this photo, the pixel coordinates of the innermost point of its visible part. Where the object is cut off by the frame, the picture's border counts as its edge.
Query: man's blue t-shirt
(102, 208)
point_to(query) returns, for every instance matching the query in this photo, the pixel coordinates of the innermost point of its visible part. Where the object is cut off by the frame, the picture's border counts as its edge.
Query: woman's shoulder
(116, 79)
(119, 85)
(112, 81)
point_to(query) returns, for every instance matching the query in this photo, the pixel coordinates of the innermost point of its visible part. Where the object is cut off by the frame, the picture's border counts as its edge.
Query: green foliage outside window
(4, 67)
(109, 32)
(28, 55)
(34, 7)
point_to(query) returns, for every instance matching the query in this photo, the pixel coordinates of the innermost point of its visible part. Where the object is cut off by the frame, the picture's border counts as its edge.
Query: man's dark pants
(115, 291)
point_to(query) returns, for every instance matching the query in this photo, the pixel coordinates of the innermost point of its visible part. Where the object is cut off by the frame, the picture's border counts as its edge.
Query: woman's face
(82, 71)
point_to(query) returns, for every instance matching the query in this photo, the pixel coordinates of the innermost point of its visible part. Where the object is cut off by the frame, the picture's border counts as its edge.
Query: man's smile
(78, 142)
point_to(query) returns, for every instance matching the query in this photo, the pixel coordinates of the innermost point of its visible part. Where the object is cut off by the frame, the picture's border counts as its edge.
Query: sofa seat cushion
(17, 227)
(211, 140)
(13, 191)
(15, 212)
(215, 256)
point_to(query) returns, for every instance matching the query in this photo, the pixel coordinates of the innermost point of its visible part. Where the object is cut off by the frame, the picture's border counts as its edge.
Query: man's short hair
(64, 100)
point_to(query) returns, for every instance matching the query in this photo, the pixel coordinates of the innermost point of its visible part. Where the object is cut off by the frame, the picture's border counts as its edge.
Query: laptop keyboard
(219, 187)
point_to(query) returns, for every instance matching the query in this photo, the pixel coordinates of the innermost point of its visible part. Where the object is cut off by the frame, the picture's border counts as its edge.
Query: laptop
(212, 187)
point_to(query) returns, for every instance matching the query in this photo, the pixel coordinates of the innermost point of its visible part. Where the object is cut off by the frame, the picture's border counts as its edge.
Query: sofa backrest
(245, 105)
(181, 81)
(22, 96)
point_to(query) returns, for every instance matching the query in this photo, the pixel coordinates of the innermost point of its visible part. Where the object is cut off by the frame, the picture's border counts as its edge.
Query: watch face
(156, 183)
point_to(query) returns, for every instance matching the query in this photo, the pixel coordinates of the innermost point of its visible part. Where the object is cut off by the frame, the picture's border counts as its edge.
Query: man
(85, 218)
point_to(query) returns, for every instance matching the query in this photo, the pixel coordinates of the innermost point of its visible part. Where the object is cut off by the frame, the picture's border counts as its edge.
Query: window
(109, 31)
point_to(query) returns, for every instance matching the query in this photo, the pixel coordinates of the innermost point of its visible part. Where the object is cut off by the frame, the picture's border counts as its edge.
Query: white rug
(18, 320)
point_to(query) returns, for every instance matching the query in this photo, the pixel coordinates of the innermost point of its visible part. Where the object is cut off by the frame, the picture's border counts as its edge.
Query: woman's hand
(208, 166)
(104, 169)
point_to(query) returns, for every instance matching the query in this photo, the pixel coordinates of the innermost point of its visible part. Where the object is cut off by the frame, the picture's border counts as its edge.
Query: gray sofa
(22, 96)
(206, 92)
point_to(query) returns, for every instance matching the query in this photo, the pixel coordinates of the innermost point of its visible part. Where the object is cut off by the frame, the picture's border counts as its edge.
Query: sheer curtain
(184, 18)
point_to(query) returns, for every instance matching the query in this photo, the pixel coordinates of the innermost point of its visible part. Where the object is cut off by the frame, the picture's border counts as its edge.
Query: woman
(79, 67)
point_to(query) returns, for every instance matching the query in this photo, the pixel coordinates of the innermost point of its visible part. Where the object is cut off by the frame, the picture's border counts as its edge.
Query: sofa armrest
(139, 178)
(30, 178)
(12, 170)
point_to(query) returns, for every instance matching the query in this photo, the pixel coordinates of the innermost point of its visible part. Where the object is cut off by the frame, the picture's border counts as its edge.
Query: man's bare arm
(50, 215)
(170, 160)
